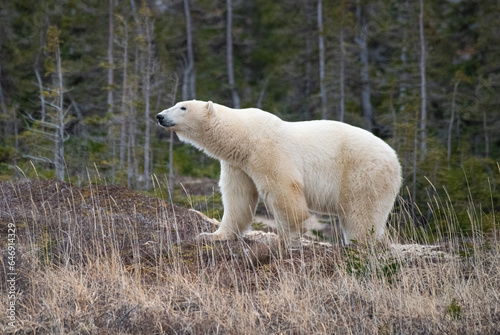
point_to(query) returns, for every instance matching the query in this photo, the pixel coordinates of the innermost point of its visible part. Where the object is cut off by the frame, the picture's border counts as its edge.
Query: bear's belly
(322, 197)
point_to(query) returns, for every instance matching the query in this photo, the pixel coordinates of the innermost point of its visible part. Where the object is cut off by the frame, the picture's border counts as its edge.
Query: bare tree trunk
(133, 122)
(132, 164)
(404, 78)
(415, 164)
(59, 133)
(134, 11)
(306, 111)
(16, 137)
(43, 112)
(262, 93)
(185, 81)
(171, 165)
(110, 58)
(131, 159)
(3, 105)
(365, 70)
(171, 149)
(124, 118)
(147, 92)
(189, 84)
(423, 113)
(394, 122)
(452, 120)
(3, 102)
(306, 114)
(486, 137)
(342, 77)
(404, 75)
(57, 103)
(321, 49)
(230, 68)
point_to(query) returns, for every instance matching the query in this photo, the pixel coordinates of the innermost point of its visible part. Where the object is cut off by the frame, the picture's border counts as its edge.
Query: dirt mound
(61, 220)
(94, 204)
(64, 224)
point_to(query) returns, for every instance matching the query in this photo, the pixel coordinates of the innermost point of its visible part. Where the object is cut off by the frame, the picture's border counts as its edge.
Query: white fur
(323, 166)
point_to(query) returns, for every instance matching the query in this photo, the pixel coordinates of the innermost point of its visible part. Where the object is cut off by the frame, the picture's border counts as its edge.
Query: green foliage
(5, 171)
(466, 198)
(183, 163)
(46, 248)
(369, 261)
(6, 154)
(53, 39)
(210, 205)
(454, 310)
(467, 250)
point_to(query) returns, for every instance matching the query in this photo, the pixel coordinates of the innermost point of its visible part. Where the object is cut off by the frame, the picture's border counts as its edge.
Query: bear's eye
(183, 108)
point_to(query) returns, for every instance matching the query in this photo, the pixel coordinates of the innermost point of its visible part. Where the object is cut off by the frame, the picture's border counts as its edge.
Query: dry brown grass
(102, 260)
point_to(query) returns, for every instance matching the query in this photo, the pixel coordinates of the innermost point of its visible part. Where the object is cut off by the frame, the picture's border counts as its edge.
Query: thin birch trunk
(171, 148)
(262, 93)
(365, 70)
(321, 49)
(486, 137)
(306, 114)
(131, 154)
(230, 65)
(16, 138)
(342, 77)
(189, 84)
(111, 136)
(124, 118)
(423, 113)
(3, 102)
(132, 164)
(110, 58)
(43, 111)
(133, 122)
(452, 120)
(134, 11)
(404, 75)
(394, 122)
(147, 92)
(415, 165)
(59, 129)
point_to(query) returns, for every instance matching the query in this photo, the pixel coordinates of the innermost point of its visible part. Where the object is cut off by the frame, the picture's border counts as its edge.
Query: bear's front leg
(239, 198)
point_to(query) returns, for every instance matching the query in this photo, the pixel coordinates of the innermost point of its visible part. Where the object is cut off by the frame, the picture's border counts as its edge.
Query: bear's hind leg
(289, 207)
(239, 197)
(363, 221)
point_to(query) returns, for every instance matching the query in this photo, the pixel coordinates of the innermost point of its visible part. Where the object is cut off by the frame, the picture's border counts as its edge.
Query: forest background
(81, 82)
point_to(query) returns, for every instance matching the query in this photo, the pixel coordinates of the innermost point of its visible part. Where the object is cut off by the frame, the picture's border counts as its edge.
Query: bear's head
(188, 119)
(185, 115)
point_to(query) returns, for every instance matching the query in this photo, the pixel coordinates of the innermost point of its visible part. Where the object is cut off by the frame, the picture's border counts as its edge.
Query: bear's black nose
(159, 117)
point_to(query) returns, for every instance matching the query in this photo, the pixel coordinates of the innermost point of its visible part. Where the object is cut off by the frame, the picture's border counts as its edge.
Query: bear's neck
(217, 138)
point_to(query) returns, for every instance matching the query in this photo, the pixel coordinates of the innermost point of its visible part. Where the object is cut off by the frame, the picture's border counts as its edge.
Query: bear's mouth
(164, 122)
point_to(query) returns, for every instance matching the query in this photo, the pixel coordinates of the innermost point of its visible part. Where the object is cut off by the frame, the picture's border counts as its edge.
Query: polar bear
(295, 167)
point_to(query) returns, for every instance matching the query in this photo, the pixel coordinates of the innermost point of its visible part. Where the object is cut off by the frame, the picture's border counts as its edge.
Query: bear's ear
(210, 107)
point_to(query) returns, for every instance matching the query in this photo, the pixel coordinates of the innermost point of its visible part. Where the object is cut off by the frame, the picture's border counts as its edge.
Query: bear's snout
(164, 122)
